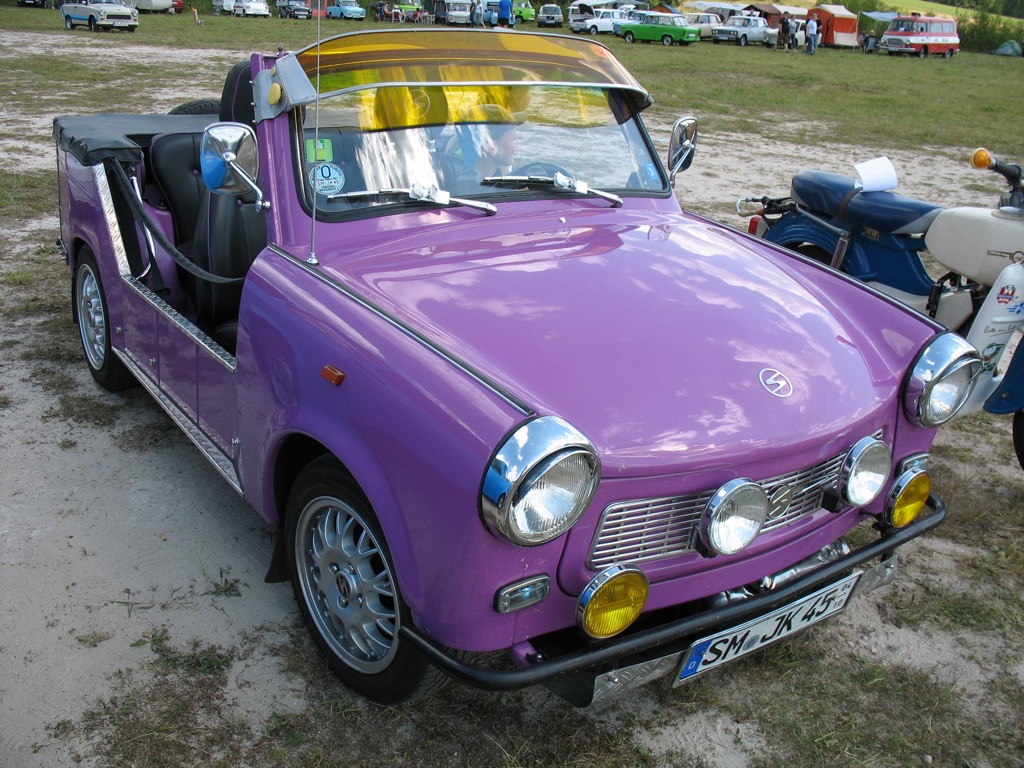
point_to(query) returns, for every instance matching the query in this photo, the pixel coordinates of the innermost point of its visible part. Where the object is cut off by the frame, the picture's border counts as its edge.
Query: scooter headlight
(941, 380)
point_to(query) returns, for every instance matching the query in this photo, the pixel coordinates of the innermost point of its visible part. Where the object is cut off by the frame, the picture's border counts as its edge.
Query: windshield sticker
(324, 151)
(327, 179)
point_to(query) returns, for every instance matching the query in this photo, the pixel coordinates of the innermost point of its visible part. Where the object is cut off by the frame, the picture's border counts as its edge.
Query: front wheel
(90, 307)
(948, 53)
(923, 53)
(628, 37)
(92, 24)
(345, 585)
(593, 30)
(743, 40)
(68, 24)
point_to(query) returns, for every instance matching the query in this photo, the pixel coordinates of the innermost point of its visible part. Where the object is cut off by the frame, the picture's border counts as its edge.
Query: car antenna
(312, 260)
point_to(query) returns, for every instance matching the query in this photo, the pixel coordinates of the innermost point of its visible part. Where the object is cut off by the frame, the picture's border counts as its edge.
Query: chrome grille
(652, 529)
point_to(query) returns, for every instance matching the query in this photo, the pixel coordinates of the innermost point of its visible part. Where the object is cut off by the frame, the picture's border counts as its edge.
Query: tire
(1018, 436)
(923, 53)
(92, 24)
(593, 30)
(820, 255)
(519, 20)
(667, 40)
(68, 24)
(628, 37)
(89, 303)
(948, 53)
(743, 40)
(344, 583)
(197, 107)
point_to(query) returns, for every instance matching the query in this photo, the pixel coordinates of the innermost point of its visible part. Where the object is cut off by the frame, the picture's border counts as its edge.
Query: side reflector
(332, 374)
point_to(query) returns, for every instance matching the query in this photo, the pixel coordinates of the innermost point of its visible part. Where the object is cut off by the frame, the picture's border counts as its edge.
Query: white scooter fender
(1000, 315)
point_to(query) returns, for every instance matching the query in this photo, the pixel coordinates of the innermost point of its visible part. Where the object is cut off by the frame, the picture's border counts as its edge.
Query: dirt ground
(114, 529)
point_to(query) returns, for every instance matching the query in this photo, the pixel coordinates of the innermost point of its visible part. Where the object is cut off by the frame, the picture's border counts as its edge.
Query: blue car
(346, 9)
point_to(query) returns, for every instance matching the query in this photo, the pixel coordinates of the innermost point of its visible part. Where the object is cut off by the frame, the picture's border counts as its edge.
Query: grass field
(873, 101)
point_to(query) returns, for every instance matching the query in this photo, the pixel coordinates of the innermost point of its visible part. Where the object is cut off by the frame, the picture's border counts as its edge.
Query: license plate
(120, 23)
(731, 644)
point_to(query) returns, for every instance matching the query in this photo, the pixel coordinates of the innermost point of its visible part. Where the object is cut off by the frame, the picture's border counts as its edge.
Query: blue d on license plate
(718, 649)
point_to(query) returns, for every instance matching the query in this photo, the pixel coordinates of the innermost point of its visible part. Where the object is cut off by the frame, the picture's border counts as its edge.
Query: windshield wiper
(418, 192)
(558, 181)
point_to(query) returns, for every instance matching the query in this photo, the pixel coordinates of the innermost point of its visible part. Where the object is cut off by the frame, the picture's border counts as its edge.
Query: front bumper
(573, 674)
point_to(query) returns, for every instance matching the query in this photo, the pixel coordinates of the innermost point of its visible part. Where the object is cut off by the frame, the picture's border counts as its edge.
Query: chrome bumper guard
(673, 637)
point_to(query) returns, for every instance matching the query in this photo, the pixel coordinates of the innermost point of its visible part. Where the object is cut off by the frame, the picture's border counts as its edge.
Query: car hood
(660, 337)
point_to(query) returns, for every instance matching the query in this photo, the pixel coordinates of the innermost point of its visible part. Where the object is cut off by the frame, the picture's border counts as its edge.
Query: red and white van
(921, 36)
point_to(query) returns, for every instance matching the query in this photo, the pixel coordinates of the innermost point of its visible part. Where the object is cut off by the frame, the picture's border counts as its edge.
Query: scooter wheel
(1018, 436)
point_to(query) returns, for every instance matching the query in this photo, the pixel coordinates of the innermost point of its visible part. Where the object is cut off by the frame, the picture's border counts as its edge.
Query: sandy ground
(113, 530)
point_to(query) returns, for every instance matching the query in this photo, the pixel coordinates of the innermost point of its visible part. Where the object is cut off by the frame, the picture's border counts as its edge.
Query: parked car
(705, 22)
(523, 10)
(666, 28)
(550, 16)
(771, 37)
(36, 3)
(153, 6)
(297, 9)
(741, 30)
(602, 22)
(514, 399)
(346, 9)
(100, 14)
(920, 36)
(458, 14)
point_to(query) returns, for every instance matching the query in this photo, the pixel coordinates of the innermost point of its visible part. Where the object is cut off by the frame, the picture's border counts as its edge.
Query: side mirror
(681, 146)
(230, 161)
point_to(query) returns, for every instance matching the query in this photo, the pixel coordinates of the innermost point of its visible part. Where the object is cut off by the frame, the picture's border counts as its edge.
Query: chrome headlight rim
(533, 449)
(945, 356)
(716, 515)
(858, 460)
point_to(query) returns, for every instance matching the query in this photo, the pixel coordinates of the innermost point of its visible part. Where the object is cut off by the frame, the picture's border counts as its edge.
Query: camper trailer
(837, 26)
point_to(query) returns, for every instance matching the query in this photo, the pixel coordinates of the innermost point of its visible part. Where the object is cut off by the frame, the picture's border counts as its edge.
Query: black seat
(174, 168)
(236, 101)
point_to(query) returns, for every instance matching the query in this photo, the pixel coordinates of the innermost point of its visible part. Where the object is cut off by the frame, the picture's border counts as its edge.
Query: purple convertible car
(496, 390)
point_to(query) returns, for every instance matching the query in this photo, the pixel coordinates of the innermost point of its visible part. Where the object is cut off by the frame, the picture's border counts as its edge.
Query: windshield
(463, 139)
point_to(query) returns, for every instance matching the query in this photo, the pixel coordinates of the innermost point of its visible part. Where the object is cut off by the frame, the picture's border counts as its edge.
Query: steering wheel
(542, 168)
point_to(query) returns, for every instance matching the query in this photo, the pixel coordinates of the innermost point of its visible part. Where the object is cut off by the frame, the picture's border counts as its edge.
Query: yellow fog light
(908, 496)
(611, 601)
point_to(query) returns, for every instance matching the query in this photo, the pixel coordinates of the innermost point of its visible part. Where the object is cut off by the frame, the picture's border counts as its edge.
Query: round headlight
(539, 482)
(941, 380)
(734, 516)
(611, 601)
(864, 472)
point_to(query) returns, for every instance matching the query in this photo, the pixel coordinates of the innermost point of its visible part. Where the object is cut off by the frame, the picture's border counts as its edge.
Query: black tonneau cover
(95, 138)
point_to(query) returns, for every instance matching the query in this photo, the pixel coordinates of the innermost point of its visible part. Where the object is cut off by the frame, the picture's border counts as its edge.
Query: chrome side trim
(182, 323)
(214, 455)
(99, 177)
(462, 365)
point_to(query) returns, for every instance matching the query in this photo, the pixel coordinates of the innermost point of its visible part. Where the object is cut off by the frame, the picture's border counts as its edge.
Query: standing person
(504, 13)
(478, 13)
(811, 31)
(794, 42)
(782, 41)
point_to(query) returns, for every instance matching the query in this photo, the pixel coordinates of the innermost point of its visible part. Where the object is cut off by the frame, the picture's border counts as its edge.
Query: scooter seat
(836, 196)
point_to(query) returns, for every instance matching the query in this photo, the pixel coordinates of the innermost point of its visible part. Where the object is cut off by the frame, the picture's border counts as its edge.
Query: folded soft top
(95, 138)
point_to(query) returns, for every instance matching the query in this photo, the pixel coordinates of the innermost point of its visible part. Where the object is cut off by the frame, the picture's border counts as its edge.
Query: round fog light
(611, 601)
(734, 516)
(908, 496)
(864, 472)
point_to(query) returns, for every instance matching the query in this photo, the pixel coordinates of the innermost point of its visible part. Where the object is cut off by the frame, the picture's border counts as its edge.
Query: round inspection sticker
(327, 178)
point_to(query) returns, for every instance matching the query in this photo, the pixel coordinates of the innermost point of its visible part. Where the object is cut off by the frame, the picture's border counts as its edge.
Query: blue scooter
(878, 237)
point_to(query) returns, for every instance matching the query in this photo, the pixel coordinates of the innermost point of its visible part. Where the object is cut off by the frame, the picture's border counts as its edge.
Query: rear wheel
(345, 585)
(1018, 436)
(812, 252)
(90, 307)
(667, 40)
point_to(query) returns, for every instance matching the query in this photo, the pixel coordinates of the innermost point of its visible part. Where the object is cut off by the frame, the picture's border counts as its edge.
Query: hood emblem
(775, 382)
(779, 501)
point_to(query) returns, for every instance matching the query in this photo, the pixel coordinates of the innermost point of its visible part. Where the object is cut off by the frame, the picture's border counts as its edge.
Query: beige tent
(837, 26)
